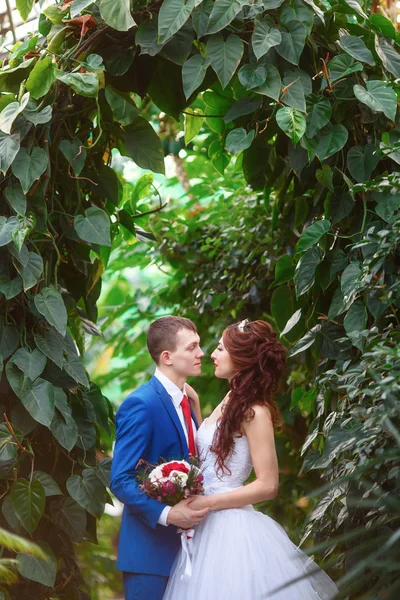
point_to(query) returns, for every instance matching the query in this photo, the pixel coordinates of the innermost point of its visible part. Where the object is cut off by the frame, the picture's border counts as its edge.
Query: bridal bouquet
(173, 481)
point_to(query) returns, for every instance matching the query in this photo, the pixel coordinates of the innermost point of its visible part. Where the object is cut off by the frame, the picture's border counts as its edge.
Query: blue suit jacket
(147, 427)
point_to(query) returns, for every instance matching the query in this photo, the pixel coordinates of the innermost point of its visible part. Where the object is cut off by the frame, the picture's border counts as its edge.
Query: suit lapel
(167, 401)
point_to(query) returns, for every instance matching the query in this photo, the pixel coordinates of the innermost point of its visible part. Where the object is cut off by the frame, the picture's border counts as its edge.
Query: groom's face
(186, 358)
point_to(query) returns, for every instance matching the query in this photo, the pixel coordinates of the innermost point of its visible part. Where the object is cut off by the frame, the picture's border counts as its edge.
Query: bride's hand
(200, 502)
(192, 395)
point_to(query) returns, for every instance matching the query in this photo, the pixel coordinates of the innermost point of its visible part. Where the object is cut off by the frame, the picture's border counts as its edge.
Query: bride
(238, 553)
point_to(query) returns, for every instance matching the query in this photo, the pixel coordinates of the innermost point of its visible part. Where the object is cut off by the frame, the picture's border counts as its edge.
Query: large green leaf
(304, 275)
(238, 140)
(123, 108)
(292, 322)
(223, 12)
(50, 487)
(284, 270)
(312, 235)
(272, 85)
(31, 271)
(147, 37)
(356, 48)
(16, 198)
(74, 367)
(378, 96)
(295, 10)
(362, 160)
(41, 78)
(71, 517)
(11, 112)
(193, 122)
(94, 227)
(85, 84)
(9, 147)
(75, 153)
(355, 320)
(225, 56)
(51, 305)
(172, 16)
(144, 146)
(117, 14)
(193, 72)
(51, 345)
(331, 139)
(24, 8)
(42, 570)
(292, 122)
(78, 6)
(244, 106)
(29, 167)
(293, 41)
(388, 55)
(264, 37)
(8, 447)
(38, 399)
(6, 228)
(319, 112)
(36, 116)
(296, 85)
(342, 66)
(32, 364)
(306, 341)
(88, 492)
(10, 287)
(350, 281)
(28, 500)
(9, 340)
(252, 76)
(63, 425)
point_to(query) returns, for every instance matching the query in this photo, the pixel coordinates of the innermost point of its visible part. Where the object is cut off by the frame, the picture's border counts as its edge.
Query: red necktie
(188, 418)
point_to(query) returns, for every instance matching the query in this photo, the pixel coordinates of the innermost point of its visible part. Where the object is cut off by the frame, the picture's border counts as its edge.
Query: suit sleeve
(134, 429)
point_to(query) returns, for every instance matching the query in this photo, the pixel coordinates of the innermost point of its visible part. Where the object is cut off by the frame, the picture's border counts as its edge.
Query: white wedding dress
(239, 553)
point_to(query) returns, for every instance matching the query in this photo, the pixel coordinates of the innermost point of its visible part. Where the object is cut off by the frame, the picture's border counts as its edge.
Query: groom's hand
(181, 515)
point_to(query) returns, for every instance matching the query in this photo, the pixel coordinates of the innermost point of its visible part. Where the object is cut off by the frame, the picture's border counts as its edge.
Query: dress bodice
(239, 464)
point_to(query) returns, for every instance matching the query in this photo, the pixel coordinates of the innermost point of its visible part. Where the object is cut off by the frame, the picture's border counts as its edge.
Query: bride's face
(222, 362)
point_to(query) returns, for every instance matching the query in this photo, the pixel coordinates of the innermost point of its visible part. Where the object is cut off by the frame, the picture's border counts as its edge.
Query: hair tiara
(243, 324)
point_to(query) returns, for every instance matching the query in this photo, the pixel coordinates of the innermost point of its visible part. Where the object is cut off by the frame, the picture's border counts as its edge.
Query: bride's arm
(260, 436)
(194, 402)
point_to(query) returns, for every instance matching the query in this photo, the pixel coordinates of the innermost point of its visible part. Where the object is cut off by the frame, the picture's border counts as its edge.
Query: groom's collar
(170, 387)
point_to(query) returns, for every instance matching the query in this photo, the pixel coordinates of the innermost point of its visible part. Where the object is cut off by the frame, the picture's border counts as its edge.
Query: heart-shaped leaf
(9, 340)
(10, 287)
(306, 341)
(32, 364)
(293, 41)
(41, 78)
(312, 235)
(34, 568)
(11, 112)
(24, 8)
(272, 85)
(87, 491)
(264, 37)
(28, 500)
(292, 122)
(331, 139)
(356, 48)
(85, 84)
(123, 108)
(319, 112)
(75, 153)
(225, 56)
(16, 198)
(378, 96)
(29, 167)
(51, 345)
(238, 140)
(304, 275)
(74, 367)
(144, 146)
(50, 487)
(71, 517)
(9, 147)
(172, 16)
(223, 12)
(388, 55)
(31, 271)
(38, 399)
(193, 121)
(51, 305)
(94, 227)
(362, 160)
(117, 14)
(193, 72)
(342, 66)
(252, 76)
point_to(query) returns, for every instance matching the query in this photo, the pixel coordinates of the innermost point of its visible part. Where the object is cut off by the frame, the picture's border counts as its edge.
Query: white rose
(179, 476)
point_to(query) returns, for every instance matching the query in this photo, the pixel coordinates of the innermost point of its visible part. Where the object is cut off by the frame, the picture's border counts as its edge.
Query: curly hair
(259, 360)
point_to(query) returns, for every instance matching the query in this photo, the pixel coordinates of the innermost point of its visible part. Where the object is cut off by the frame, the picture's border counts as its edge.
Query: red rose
(174, 466)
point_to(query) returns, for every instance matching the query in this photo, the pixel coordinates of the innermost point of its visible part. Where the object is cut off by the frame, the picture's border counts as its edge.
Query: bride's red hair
(259, 361)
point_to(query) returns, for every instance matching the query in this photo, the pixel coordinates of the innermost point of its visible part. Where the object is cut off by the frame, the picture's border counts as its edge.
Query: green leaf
(28, 500)
(75, 153)
(244, 106)
(325, 177)
(88, 492)
(304, 276)
(362, 160)
(295, 10)
(123, 108)
(331, 139)
(8, 447)
(9, 340)
(85, 84)
(144, 146)
(319, 112)
(312, 235)
(281, 305)
(271, 4)
(292, 122)
(238, 140)
(51, 305)
(172, 16)
(264, 37)
(42, 570)
(306, 341)
(193, 121)
(225, 56)
(117, 14)
(252, 76)
(16, 198)
(341, 66)
(356, 319)
(223, 13)
(74, 367)
(355, 7)
(6, 228)
(292, 322)
(29, 167)
(11, 112)
(24, 8)
(293, 91)
(273, 84)
(32, 364)
(38, 399)
(193, 72)
(10, 287)
(351, 280)
(388, 55)
(9, 147)
(94, 227)
(293, 41)
(378, 96)
(64, 429)
(382, 24)
(147, 37)
(41, 78)
(284, 270)
(30, 272)
(51, 345)
(71, 517)
(33, 115)
(78, 6)
(49, 485)
(356, 48)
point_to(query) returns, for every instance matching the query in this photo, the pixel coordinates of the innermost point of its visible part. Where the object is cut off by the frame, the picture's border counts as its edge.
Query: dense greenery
(305, 98)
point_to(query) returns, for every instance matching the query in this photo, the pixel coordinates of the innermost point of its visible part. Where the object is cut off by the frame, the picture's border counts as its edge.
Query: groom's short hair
(162, 334)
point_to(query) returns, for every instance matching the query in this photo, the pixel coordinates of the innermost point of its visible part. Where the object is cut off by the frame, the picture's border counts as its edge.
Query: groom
(155, 423)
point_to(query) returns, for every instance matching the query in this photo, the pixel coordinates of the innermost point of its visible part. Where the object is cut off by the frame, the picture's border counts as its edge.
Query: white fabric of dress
(239, 553)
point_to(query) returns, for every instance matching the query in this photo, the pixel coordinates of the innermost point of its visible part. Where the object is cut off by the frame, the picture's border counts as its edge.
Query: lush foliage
(306, 99)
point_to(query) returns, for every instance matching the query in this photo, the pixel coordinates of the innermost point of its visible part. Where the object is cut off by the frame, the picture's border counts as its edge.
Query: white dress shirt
(176, 396)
